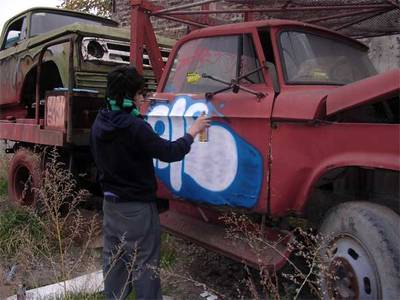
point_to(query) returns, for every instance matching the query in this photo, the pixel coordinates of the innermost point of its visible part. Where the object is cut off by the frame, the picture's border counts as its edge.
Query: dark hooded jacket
(123, 147)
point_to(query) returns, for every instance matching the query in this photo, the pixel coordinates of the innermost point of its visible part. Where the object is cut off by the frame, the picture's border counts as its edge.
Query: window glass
(309, 58)
(44, 22)
(16, 32)
(250, 62)
(225, 58)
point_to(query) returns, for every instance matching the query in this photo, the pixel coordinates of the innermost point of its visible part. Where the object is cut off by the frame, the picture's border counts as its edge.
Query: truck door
(232, 166)
(14, 34)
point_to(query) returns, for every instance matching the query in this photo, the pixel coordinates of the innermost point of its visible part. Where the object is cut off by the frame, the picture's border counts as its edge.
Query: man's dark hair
(123, 82)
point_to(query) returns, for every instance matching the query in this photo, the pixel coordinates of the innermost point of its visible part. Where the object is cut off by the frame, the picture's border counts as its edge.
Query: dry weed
(62, 226)
(305, 244)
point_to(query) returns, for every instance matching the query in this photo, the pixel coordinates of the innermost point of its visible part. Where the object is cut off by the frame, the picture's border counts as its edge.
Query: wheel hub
(343, 284)
(351, 273)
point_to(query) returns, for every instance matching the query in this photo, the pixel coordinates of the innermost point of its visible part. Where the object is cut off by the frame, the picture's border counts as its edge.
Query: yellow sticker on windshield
(319, 74)
(193, 77)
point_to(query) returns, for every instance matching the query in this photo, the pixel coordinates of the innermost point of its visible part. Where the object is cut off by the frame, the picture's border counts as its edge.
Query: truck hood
(108, 32)
(362, 92)
(82, 29)
(310, 103)
(302, 104)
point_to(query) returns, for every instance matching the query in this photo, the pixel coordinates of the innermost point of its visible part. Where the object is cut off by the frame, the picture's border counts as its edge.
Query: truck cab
(273, 88)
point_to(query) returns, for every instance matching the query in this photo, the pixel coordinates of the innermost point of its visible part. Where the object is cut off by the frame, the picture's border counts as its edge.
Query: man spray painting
(124, 146)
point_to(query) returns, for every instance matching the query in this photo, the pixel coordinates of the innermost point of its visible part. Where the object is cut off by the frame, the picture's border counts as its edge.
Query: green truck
(53, 67)
(96, 45)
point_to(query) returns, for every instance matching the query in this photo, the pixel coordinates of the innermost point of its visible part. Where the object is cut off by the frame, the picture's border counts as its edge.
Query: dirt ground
(197, 270)
(188, 271)
(42, 272)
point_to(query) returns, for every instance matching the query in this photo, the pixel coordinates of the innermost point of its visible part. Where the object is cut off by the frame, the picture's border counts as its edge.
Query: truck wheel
(364, 252)
(24, 175)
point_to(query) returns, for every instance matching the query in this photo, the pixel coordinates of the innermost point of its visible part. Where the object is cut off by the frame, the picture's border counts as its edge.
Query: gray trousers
(131, 250)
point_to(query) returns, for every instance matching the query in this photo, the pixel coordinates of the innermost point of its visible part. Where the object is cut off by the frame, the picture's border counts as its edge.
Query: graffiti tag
(226, 170)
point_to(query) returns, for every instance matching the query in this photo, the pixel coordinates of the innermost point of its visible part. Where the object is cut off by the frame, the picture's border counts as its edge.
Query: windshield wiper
(234, 85)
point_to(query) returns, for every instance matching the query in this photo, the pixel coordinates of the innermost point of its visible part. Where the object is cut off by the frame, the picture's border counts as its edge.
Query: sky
(10, 8)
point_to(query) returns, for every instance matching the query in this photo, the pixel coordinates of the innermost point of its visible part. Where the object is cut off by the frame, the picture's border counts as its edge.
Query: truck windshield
(312, 59)
(43, 22)
(224, 57)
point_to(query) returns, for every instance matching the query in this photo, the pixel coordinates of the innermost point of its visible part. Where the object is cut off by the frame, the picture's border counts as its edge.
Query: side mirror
(320, 112)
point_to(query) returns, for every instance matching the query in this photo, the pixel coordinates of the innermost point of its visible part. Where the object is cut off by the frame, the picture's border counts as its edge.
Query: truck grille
(115, 52)
(91, 81)
(98, 81)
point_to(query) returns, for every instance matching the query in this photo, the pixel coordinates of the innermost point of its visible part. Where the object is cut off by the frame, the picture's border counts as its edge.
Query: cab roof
(247, 26)
(105, 21)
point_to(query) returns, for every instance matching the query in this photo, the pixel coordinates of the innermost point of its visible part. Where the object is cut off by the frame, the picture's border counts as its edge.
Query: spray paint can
(203, 135)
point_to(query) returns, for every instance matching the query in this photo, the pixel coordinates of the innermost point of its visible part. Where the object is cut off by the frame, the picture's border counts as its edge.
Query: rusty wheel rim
(351, 272)
(23, 186)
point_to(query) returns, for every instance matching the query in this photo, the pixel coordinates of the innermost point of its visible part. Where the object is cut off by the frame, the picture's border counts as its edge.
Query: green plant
(99, 7)
(3, 187)
(4, 162)
(168, 253)
(19, 228)
(81, 296)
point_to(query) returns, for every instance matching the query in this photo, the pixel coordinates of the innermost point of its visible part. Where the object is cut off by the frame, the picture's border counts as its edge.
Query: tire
(24, 175)
(364, 252)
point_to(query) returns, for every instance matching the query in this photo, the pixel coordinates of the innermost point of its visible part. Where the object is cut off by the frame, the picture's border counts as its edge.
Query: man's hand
(200, 124)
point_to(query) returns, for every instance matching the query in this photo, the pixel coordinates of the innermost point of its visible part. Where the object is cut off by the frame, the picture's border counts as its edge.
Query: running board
(213, 237)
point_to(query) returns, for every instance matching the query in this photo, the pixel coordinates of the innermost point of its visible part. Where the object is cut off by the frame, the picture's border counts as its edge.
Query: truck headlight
(95, 49)
(105, 50)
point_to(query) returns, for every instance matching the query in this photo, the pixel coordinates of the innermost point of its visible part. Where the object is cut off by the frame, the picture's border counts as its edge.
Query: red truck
(302, 127)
